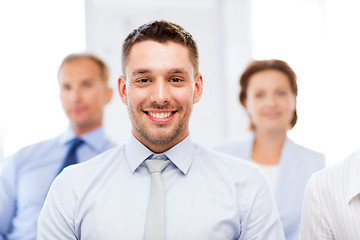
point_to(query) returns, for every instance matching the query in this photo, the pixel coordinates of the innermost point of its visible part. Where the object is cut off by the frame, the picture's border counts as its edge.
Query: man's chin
(159, 140)
(84, 125)
(159, 137)
(79, 124)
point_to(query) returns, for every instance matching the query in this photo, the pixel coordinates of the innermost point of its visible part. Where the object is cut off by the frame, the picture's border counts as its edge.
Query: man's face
(83, 94)
(159, 91)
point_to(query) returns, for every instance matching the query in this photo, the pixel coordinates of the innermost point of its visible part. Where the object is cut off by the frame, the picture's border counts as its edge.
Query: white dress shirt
(208, 195)
(332, 202)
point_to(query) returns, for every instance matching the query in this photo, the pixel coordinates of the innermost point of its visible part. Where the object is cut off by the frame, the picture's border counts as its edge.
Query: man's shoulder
(109, 143)
(229, 145)
(42, 143)
(225, 160)
(100, 161)
(83, 177)
(33, 150)
(239, 148)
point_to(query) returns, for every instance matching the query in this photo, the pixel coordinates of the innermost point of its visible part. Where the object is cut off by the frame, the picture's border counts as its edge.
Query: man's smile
(160, 116)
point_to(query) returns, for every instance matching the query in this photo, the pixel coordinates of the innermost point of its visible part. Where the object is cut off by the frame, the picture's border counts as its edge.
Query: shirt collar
(92, 138)
(182, 154)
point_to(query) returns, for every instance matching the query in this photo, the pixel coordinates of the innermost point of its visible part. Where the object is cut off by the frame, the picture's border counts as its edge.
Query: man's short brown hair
(161, 31)
(104, 69)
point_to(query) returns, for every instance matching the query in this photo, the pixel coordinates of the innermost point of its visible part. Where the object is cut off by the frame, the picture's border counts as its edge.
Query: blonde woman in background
(268, 93)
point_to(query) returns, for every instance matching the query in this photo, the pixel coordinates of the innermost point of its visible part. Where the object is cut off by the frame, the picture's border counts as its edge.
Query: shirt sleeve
(313, 221)
(56, 220)
(7, 196)
(261, 220)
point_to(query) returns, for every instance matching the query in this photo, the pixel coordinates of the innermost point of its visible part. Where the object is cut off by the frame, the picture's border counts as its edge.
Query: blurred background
(318, 38)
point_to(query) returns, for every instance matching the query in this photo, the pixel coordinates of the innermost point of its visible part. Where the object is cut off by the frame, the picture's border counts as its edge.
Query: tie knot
(156, 165)
(76, 143)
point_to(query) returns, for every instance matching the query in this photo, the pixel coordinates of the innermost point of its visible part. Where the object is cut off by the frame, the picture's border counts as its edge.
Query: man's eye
(143, 80)
(175, 79)
(66, 87)
(87, 84)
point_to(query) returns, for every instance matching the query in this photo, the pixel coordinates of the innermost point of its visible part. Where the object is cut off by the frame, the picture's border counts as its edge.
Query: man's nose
(160, 92)
(75, 95)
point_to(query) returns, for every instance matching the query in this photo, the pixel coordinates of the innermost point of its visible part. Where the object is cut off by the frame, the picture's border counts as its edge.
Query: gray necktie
(154, 226)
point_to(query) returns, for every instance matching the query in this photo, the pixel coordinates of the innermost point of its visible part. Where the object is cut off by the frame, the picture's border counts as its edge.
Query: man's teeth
(160, 115)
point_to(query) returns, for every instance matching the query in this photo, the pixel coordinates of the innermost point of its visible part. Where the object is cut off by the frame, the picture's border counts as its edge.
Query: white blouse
(271, 173)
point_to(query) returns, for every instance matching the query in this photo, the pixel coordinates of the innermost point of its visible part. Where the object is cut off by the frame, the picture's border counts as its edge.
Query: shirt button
(158, 158)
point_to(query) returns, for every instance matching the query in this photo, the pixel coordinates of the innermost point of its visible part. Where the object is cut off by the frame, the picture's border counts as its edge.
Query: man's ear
(109, 93)
(198, 88)
(122, 89)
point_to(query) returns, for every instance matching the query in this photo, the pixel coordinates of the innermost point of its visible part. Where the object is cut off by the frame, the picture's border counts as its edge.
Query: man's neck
(79, 131)
(159, 148)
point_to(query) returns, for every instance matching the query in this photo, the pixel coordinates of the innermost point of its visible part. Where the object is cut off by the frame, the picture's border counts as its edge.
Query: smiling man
(160, 184)
(26, 176)
(161, 89)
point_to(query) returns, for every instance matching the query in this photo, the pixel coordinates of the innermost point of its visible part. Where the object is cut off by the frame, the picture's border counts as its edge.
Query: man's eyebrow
(87, 79)
(140, 71)
(178, 70)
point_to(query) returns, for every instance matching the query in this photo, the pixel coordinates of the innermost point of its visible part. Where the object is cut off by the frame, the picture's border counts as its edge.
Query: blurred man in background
(27, 175)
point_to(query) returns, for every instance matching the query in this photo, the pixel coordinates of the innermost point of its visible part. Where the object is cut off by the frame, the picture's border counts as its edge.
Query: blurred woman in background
(268, 93)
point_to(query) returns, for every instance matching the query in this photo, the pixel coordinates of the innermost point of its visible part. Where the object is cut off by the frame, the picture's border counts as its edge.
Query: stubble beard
(155, 137)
